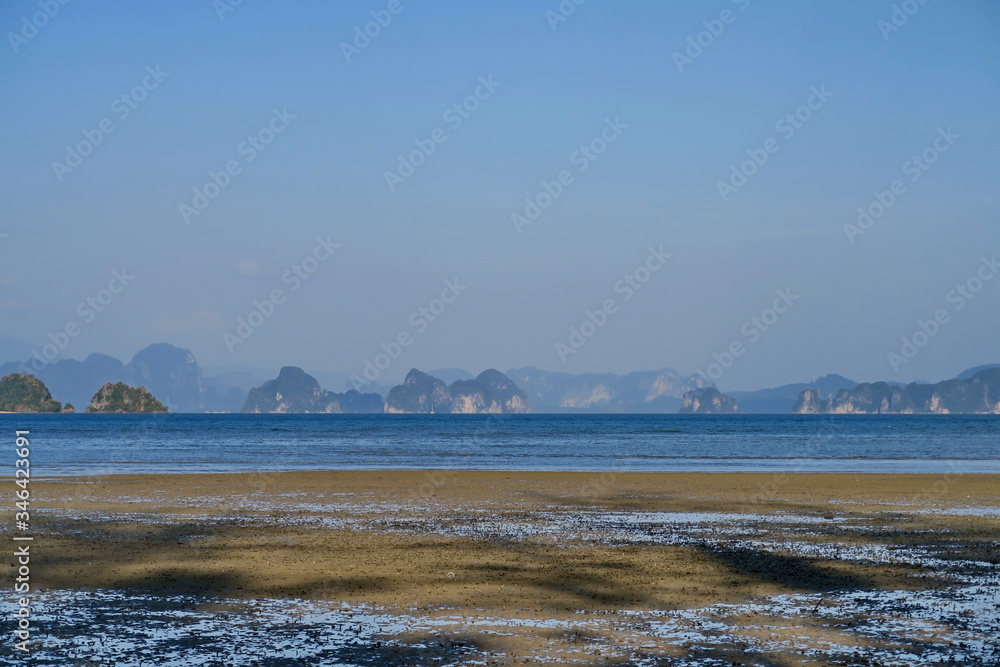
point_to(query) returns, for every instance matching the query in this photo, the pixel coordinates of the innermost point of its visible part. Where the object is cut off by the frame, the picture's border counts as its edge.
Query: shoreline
(513, 471)
(769, 474)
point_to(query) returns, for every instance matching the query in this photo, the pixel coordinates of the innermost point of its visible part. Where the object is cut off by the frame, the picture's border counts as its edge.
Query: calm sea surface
(105, 444)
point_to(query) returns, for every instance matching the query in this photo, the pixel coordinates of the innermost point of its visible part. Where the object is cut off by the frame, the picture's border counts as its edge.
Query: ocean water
(106, 444)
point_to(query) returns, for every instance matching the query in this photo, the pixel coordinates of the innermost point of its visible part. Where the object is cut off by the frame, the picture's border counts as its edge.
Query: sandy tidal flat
(386, 567)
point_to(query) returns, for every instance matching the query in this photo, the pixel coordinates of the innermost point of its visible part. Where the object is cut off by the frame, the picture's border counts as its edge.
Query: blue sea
(106, 444)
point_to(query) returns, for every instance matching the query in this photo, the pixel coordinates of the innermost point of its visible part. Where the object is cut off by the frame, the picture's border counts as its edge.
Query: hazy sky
(309, 128)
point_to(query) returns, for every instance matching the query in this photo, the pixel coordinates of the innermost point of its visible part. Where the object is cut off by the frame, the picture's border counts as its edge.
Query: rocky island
(708, 401)
(120, 398)
(979, 394)
(295, 391)
(20, 392)
(491, 392)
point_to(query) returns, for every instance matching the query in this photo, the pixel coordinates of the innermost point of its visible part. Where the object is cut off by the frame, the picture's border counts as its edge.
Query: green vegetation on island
(121, 398)
(20, 392)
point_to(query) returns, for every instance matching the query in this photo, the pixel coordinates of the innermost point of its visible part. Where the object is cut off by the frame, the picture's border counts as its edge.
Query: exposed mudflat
(418, 568)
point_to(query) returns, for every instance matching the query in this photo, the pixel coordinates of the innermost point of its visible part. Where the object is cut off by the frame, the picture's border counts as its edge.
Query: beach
(565, 567)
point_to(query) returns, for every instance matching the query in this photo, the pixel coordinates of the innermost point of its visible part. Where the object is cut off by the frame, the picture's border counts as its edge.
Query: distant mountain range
(173, 376)
(642, 391)
(978, 394)
(170, 373)
(782, 399)
(968, 374)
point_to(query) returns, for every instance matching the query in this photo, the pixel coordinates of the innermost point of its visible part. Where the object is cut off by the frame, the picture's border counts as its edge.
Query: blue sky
(554, 90)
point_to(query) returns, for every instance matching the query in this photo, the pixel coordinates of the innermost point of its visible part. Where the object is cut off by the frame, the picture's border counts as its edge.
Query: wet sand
(545, 547)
